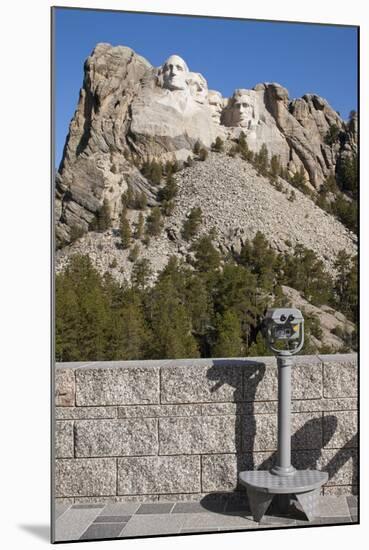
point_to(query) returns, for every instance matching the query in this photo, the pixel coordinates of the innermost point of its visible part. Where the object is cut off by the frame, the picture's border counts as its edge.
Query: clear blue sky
(229, 53)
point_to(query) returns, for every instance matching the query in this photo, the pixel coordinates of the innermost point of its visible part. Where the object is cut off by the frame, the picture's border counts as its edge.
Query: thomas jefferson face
(174, 73)
(198, 87)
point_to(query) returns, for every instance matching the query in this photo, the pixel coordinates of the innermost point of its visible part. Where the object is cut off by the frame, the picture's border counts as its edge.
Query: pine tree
(304, 272)
(156, 172)
(298, 180)
(175, 166)
(261, 160)
(258, 348)
(346, 212)
(345, 286)
(332, 135)
(128, 333)
(146, 168)
(197, 147)
(242, 141)
(192, 224)
(125, 230)
(236, 288)
(207, 258)
(347, 175)
(229, 339)
(141, 273)
(260, 259)
(82, 312)
(275, 166)
(218, 145)
(134, 253)
(128, 197)
(170, 190)
(203, 154)
(103, 217)
(139, 229)
(141, 200)
(154, 222)
(243, 148)
(167, 207)
(168, 168)
(170, 323)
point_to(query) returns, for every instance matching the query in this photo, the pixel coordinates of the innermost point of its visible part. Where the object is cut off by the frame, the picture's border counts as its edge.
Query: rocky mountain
(153, 143)
(129, 112)
(237, 203)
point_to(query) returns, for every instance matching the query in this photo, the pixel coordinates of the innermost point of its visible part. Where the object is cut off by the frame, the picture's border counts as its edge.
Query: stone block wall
(183, 429)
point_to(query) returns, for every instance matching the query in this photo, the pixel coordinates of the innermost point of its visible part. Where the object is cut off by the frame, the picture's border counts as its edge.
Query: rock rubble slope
(237, 202)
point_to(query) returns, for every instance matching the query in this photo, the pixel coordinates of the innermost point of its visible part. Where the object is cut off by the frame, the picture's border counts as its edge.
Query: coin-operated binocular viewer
(284, 332)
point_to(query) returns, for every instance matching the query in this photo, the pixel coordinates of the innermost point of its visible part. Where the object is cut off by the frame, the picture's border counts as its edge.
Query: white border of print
(25, 273)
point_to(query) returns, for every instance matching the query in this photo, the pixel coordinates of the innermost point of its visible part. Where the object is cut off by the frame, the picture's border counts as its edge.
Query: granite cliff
(129, 111)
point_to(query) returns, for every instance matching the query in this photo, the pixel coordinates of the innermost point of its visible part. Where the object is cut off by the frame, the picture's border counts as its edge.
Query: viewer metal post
(284, 331)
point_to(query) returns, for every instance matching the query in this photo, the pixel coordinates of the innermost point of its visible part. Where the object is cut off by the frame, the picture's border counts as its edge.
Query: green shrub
(203, 154)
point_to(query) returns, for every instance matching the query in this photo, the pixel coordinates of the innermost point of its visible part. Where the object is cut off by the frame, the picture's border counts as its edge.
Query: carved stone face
(174, 73)
(198, 87)
(241, 110)
(216, 104)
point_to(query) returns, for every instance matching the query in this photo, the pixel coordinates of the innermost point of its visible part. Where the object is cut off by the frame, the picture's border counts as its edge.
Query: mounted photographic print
(205, 275)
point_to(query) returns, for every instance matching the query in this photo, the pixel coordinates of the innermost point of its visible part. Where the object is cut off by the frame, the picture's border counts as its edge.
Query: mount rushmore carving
(128, 108)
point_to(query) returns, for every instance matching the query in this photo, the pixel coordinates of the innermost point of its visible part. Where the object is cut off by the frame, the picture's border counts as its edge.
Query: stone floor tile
(237, 522)
(129, 519)
(352, 501)
(212, 520)
(241, 506)
(60, 509)
(111, 519)
(277, 520)
(102, 531)
(73, 523)
(152, 524)
(87, 506)
(332, 506)
(192, 507)
(120, 508)
(155, 508)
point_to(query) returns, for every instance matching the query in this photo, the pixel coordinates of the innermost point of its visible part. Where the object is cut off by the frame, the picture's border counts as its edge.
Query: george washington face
(174, 73)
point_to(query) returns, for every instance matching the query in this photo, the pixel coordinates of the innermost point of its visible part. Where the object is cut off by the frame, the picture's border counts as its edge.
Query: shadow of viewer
(224, 371)
(349, 450)
(309, 459)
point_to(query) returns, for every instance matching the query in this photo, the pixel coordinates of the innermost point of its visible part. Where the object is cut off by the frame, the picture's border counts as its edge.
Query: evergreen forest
(211, 306)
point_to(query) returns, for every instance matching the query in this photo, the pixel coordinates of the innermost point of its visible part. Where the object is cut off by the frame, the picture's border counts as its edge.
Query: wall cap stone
(233, 361)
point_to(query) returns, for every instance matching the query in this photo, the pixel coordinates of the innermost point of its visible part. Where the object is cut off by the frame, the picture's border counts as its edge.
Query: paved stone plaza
(133, 519)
